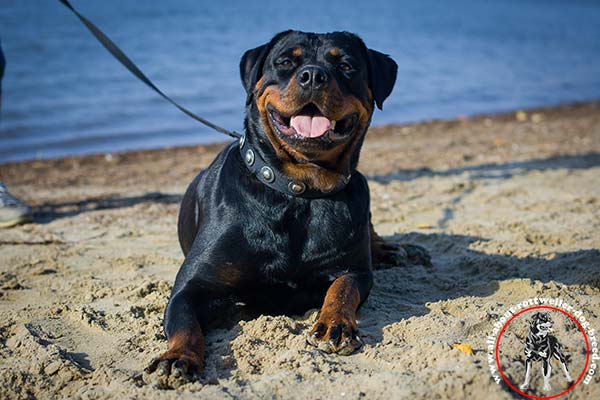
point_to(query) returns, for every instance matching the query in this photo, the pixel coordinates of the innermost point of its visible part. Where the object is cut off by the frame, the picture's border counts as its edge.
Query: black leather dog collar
(274, 179)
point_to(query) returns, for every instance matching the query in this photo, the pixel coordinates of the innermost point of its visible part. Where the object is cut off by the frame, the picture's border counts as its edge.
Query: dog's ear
(252, 63)
(535, 319)
(251, 66)
(382, 76)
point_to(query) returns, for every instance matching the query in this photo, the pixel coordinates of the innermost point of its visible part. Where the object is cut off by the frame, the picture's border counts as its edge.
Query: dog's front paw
(397, 255)
(335, 334)
(174, 368)
(524, 386)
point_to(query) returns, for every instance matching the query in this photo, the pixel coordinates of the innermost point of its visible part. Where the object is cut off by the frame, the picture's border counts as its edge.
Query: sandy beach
(508, 206)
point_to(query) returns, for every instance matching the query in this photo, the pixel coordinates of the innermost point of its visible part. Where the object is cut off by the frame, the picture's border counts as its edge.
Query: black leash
(130, 65)
(255, 164)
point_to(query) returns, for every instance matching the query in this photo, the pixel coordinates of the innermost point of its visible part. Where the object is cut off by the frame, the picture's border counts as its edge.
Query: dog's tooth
(333, 124)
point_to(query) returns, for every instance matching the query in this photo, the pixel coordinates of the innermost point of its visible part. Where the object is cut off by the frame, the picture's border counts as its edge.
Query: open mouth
(310, 123)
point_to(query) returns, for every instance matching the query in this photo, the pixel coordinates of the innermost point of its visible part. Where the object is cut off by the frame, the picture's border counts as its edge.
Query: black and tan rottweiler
(280, 220)
(540, 345)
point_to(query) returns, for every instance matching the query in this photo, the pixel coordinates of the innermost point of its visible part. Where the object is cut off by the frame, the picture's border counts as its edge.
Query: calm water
(64, 94)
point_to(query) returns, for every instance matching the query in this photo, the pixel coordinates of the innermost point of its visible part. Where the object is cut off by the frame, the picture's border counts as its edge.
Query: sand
(508, 206)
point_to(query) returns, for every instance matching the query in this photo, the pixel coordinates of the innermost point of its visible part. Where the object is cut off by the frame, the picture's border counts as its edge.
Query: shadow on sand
(49, 212)
(497, 171)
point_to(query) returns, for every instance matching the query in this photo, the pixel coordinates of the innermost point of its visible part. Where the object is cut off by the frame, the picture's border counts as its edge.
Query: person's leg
(12, 210)
(2, 66)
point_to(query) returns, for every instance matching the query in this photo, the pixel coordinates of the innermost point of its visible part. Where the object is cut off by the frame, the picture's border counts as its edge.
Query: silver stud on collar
(267, 174)
(249, 157)
(242, 141)
(296, 187)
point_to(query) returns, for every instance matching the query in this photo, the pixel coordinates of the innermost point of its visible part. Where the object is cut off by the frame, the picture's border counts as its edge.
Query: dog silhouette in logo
(542, 346)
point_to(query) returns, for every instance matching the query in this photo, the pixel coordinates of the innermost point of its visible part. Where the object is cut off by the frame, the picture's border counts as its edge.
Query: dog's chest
(538, 344)
(276, 238)
(317, 239)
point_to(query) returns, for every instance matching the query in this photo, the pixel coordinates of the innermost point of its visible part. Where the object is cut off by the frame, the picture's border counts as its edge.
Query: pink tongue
(310, 126)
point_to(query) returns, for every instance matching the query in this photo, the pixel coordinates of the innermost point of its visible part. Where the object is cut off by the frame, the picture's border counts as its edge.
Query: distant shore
(20, 172)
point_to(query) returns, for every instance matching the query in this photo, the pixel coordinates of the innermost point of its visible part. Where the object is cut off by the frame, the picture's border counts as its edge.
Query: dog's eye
(345, 67)
(284, 63)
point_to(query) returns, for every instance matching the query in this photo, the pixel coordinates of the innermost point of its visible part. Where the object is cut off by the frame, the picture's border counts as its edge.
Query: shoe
(12, 210)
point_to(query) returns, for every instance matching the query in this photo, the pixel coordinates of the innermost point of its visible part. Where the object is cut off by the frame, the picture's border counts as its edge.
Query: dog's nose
(313, 77)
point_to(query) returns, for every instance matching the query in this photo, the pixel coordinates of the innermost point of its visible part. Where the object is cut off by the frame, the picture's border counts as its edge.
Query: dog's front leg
(525, 383)
(547, 371)
(566, 371)
(335, 330)
(184, 360)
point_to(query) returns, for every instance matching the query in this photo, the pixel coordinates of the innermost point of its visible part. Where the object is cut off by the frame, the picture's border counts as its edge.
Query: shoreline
(501, 115)
(408, 141)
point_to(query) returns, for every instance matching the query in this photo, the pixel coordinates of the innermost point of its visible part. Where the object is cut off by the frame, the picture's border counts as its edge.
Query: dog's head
(541, 324)
(310, 98)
